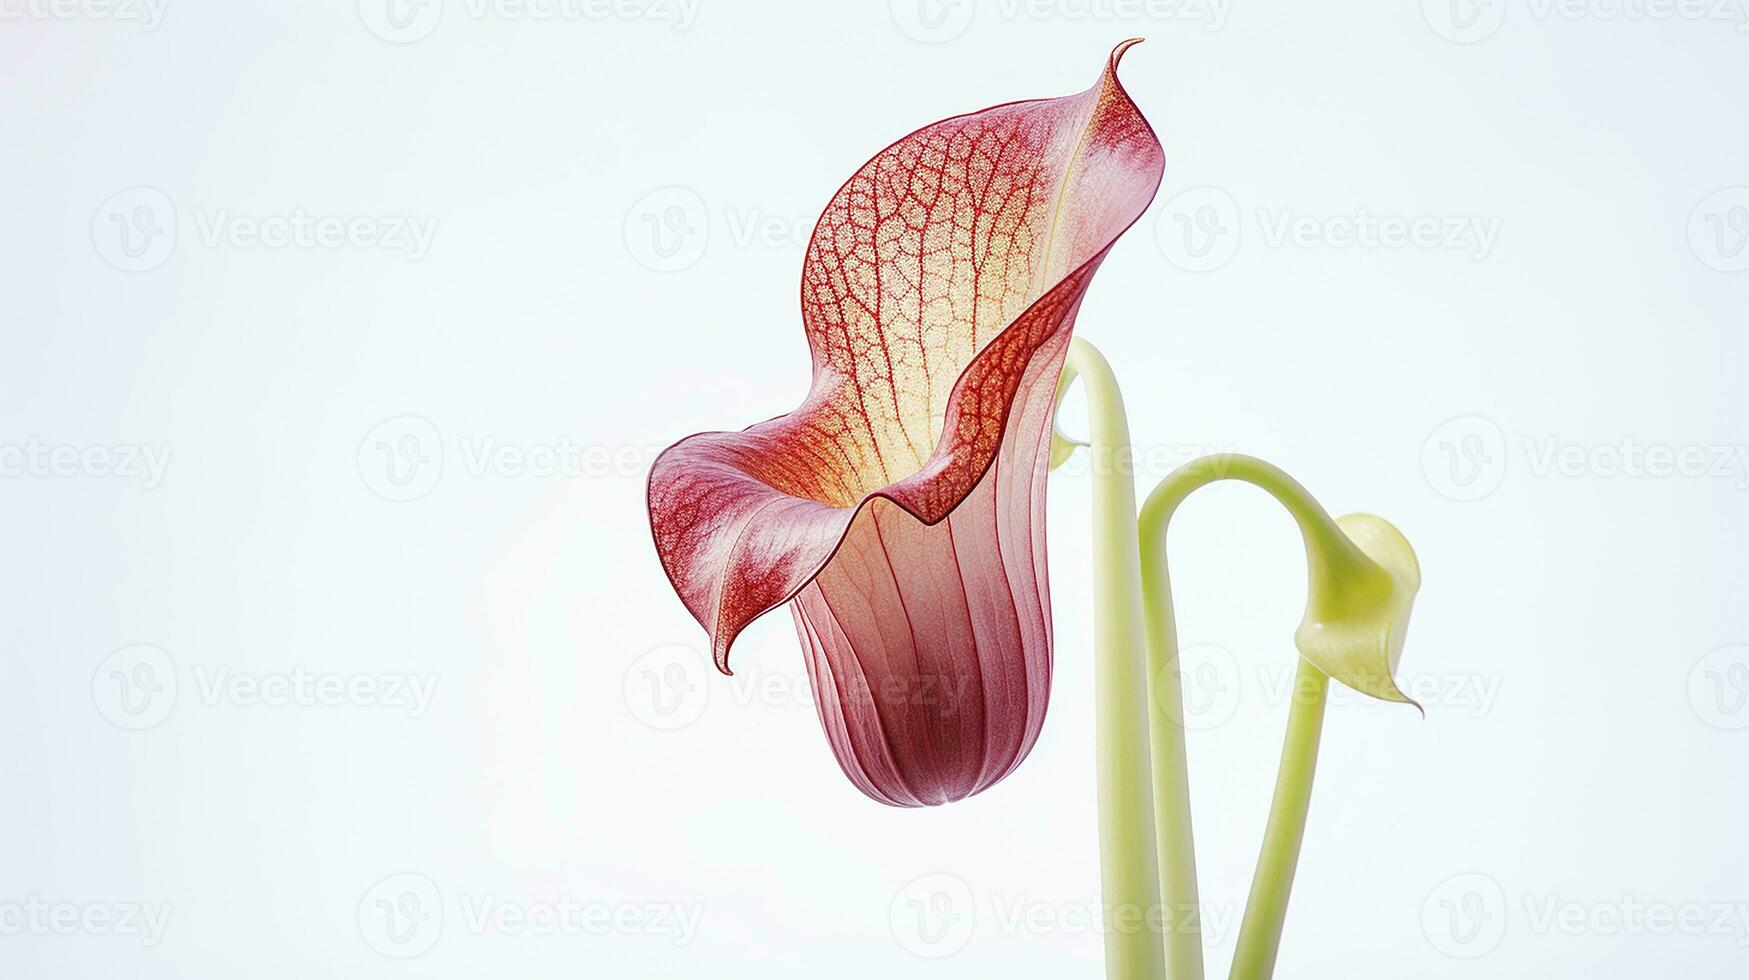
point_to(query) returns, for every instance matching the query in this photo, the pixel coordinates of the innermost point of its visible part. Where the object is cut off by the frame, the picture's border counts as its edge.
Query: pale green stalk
(1132, 870)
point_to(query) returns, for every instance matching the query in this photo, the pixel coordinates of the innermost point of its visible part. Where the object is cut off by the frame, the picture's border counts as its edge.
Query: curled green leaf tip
(1362, 590)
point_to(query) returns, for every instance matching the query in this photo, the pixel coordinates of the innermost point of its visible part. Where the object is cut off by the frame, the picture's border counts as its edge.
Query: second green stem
(1266, 909)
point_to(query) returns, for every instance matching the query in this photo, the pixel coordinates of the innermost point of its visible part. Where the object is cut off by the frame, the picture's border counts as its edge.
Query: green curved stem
(1266, 909)
(1328, 552)
(1139, 877)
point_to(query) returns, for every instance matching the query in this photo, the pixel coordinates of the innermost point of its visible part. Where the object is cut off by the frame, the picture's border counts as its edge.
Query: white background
(615, 203)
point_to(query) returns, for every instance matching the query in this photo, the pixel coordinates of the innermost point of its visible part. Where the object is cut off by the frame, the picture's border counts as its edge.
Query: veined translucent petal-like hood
(900, 509)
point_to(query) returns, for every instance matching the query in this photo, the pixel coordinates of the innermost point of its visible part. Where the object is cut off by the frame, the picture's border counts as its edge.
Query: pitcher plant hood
(900, 509)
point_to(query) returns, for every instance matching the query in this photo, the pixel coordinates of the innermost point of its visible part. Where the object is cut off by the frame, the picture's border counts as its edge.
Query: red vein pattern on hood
(901, 507)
